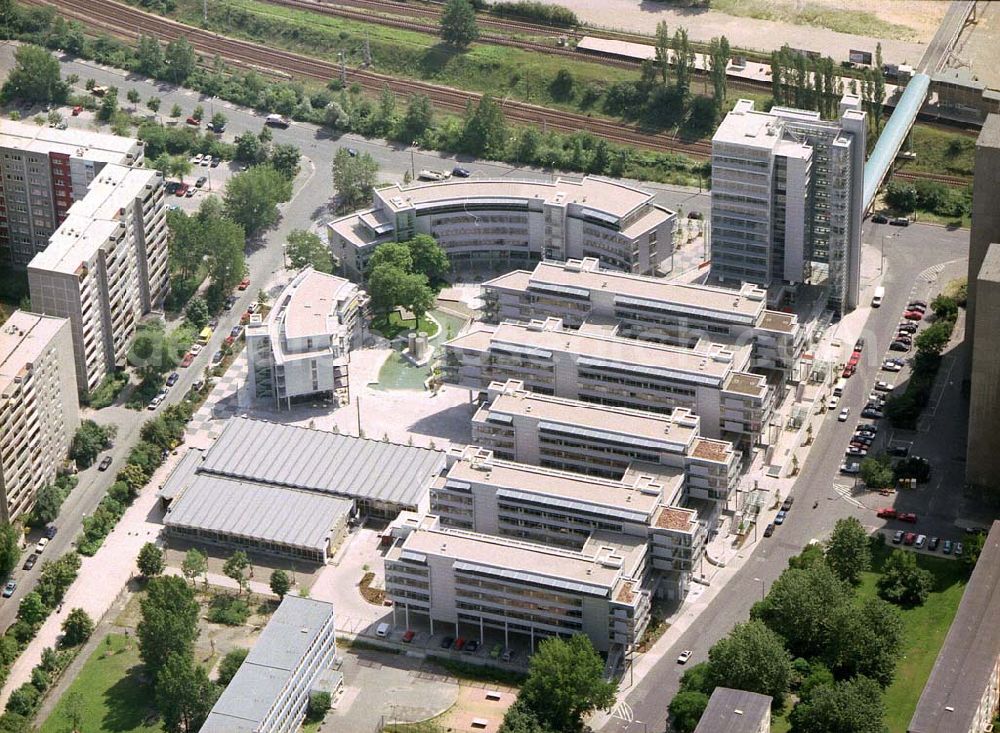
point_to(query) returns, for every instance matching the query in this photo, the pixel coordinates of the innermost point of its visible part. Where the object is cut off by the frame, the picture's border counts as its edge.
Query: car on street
(844, 414)
(786, 505)
(429, 175)
(897, 537)
(872, 414)
(200, 182)
(958, 549)
(471, 646)
(857, 452)
(913, 315)
(899, 450)
(187, 360)
(946, 547)
(888, 366)
(40, 547)
(886, 513)
(154, 403)
(921, 541)
(921, 303)
(849, 371)
(933, 544)
(850, 468)
(831, 404)
(908, 327)
(909, 538)
(899, 346)
(880, 219)
(29, 563)
(105, 463)
(8, 590)
(907, 517)
(684, 656)
(779, 518)
(460, 172)
(769, 530)
(881, 386)
(215, 162)
(50, 531)
(217, 358)
(899, 221)
(446, 642)
(244, 284)
(408, 636)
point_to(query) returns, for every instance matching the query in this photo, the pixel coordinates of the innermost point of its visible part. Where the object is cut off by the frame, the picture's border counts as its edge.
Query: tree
(306, 249)
(419, 117)
(180, 60)
(562, 85)
(149, 56)
(683, 63)
(251, 198)
(47, 504)
(184, 694)
(230, 665)
(280, 582)
(878, 88)
(973, 549)
(35, 77)
(934, 338)
(876, 472)
(198, 113)
(848, 552)
(32, 609)
(194, 564)
(902, 582)
(153, 103)
(150, 560)
(218, 121)
(168, 624)
(73, 709)
(485, 130)
(235, 567)
(319, 705)
(249, 149)
(285, 159)
(354, 178)
(718, 58)
(153, 353)
(520, 719)
(565, 682)
(176, 111)
(865, 641)
(945, 307)
(662, 46)
(752, 658)
(458, 23)
(686, 709)
(88, 441)
(392, 254)
(133, 96)
(77, 627)
(197, 312)
(798, 607)
(429, 258)
(850, 706)
(24, 700)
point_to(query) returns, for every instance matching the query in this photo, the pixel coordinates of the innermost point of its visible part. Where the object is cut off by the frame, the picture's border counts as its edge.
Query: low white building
(510, 222)
(303, 348)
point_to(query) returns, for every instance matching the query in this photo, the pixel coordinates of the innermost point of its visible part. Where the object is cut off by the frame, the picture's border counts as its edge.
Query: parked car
(881, 386)
(958, 549)
(899, 221)
(408, 636)
(897, 537)
(859, 345)
(886, 513)
(855, 451)
(352, 152)
(105, 463)
(50, 531)
(909, 538)
(200, 182)
(190, 192)
(872, 414)
(684, 656)
(471, 646)
(916, 306)
(909, 517)
(913, 315)
(888, 366)
(244, 284)
(172, 379)
(844, 414)
(459, 644)
(921, 303)
(181, 189)
(215, 162)
(187, 360)
(253, 307)
(198, 384)
(779, 518)
(230, 302)
(907, 327)
(866, 427)
(206, 161)
(196, 159)
(849, 371)
(193, 122)
(446, 642)
(274, 120)
(933, 544)
(154, 403)
(236, 331)
(899, 450)
(40, 547)
(921, 541)
(899, 346)
(460, 172)
(880, 219)
(786, 505)
(946, 548)
(217, 358)
(507, 656)
(217, 128)
(831, 404)
(29, 563)
(8, 590)
(382, 630)
(850, 468)
(769, 530)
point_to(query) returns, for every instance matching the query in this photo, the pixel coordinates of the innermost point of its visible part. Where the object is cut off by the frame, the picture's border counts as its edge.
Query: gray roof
(961, 673)
(182, 474)
(257, 511)
(734, 711)
(315, 460)
(269, 666)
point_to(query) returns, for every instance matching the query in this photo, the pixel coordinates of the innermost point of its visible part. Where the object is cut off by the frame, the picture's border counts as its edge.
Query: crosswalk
(844, 492)
(931, 273)
(623, 711)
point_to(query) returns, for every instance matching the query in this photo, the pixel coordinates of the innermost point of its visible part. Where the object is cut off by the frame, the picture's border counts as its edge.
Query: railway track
(955, 181)
(126, 22)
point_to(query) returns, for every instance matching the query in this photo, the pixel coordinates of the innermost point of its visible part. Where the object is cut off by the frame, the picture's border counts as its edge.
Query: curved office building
(501, 221)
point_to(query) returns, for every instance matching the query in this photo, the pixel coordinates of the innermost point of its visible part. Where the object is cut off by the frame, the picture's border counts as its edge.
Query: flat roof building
(504, 221)
(646, 308)
(270, 691)
(105, 267)
(735, 711)
(603, 440)
(454, 577)
(39, 412)
(302, 349)
(43, 170)
(787, 198)
(962, 694)
(985, 229)
(982, 465)
(710, 379)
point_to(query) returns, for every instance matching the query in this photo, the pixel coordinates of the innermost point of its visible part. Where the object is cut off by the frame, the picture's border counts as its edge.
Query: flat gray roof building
(270, 690)
(735, 711)
(961, 695)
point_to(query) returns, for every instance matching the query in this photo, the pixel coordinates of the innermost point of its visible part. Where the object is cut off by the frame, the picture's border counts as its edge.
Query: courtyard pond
(398, 373)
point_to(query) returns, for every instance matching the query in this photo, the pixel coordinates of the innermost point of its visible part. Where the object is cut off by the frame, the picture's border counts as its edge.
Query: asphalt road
(917, 248)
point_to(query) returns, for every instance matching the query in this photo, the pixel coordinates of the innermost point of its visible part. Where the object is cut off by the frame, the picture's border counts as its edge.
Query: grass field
(943, 152)
(814, 14)
(113, 700)
(393, 325)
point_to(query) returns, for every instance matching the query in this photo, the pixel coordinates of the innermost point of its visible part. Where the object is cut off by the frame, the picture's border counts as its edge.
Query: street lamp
(413, 167)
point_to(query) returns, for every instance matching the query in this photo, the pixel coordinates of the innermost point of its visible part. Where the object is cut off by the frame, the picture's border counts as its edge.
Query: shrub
(228, 610)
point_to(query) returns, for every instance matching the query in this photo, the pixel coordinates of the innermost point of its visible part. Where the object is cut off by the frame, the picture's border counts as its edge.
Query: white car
(196, 160)
(921, 539)
(850, 468)
(40, 547)
(889, 366)
(428, 175)
(884, 387)
(842, 417)
(196, 349)
(684, 656)
(832, 403)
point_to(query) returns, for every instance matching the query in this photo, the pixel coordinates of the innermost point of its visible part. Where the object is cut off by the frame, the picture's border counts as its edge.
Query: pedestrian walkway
(223, 402)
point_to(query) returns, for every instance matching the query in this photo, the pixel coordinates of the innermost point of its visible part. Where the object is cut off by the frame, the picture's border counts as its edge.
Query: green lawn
(939, 151)
(394, 325)
(113, 699)
(924, 629)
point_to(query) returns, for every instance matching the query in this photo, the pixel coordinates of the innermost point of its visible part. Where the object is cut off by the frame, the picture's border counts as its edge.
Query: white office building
(710, 379)
(105, 267)
(505, 222)
(302, 350)
(293, 657)
(647, 308)
(39, 412)
(787, 199)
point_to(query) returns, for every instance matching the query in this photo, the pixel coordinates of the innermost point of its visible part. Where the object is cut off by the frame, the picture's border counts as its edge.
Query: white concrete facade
(512, 222)
(302, 349)
(787, 191)
(39, 412)
(105, 267)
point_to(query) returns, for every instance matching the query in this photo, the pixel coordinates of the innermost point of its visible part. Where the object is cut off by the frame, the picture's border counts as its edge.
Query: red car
(408, 636)
(181, 189)
(855, 358)
(886, 513)
(913, 315)
(229, 341)
(907, 517)
(188, 358)
(849, 371)
(193, 121)
(244, 284)
(459, 644)
(77, 110)
(909, 538)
